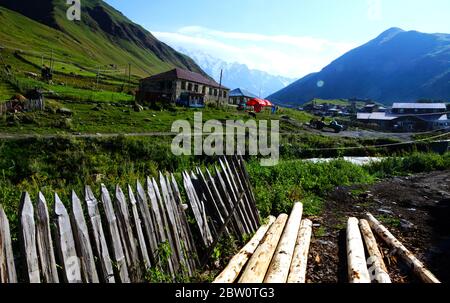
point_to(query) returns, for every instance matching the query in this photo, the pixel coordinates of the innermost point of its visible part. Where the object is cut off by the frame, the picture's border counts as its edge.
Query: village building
(372, 108)
(240, 97)
(182, 87)
(409, 117)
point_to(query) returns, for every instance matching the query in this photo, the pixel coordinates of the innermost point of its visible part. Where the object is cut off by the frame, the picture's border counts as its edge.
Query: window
(204, 90)
(215, 92)
(210, 91)
(224, 94)
(183, 85)
(196, 88)
(190, 87)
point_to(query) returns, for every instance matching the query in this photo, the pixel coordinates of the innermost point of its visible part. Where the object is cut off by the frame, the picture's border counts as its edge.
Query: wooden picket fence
(119, 237)
(27, 105)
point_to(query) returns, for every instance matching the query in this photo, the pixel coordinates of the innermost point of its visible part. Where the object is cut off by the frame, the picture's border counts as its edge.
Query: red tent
(268, 103)
(254, 101)
(258, 104)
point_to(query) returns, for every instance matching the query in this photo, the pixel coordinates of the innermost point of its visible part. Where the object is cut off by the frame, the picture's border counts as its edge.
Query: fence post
(82, 241)
(116, 244)
(44, 242)
(28, 239)
(66, 244)
(99, 237)
(7, 268)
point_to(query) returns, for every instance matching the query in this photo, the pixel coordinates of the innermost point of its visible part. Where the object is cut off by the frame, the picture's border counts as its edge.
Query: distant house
(410, 117)
(240, 96)
(183, 87)
(370, 108)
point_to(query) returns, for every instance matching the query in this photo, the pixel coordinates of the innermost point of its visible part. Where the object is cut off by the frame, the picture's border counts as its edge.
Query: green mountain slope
(396, 66)
(103, 36)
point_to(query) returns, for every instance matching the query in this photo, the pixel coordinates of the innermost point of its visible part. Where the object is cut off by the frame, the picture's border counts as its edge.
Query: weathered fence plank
(246, 177)
(147, 220)
(180, 237)
(211, 202)
(220, 203)
(101, 247)
(172, 227)
(233, 194)
(240, 188)
(7, 269)
(66, 244)
(157, 215)
(228, 200)
(160, 220)
(189, 242)
(44, 242)
(82, 242)
(197, 210)
(128, 240)
(28, 239)
(116, 243)
(140, 234)
(239, 168)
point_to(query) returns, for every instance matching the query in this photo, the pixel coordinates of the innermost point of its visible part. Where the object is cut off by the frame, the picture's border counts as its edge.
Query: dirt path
(415, 209)
(5, 136)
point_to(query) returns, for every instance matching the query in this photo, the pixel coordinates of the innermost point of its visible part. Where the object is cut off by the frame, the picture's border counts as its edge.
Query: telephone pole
(220, 88)
(129, 74)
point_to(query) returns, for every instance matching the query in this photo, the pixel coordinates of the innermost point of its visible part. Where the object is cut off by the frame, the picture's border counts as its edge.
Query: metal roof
(183, 74)
(419, 106)
(240, 92)
(376, 116)
(389, 117)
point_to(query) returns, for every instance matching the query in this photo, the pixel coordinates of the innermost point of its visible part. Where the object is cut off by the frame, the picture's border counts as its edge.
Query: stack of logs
(373, 269)
(277, 253)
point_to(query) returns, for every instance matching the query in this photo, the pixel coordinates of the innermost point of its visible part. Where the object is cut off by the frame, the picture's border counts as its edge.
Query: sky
(291, 38)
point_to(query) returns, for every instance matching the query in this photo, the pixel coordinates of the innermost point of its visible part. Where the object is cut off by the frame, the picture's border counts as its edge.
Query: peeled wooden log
(257, 266)
(232, 271)
(375, 262)
(357, 268)
(416, 266)
(281, 262)
(297, 273)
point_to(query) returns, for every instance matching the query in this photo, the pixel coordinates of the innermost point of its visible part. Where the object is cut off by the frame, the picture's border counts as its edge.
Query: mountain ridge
(238, 75)
(397, 65)
(104, 34)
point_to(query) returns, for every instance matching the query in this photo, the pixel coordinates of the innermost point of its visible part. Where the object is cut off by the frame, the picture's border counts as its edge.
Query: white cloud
(290, 56)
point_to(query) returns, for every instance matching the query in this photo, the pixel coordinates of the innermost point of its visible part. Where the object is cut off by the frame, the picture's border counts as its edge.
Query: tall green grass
(277, 188)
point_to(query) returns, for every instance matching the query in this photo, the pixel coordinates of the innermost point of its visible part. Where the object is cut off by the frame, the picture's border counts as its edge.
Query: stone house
(181, 87)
